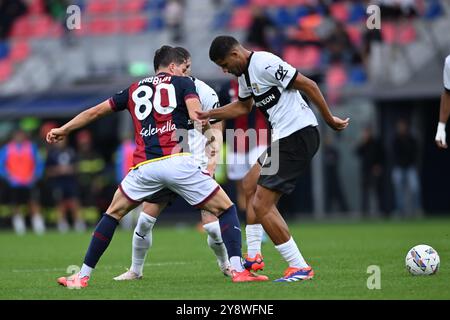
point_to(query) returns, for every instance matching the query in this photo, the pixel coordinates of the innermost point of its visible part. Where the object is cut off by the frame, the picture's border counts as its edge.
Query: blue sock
(230, 229)
(100, 239)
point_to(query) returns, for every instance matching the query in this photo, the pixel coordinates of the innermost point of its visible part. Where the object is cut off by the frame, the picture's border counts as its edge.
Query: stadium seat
(103, 26)
(283, 17)
(307, 57)
(5, 69)
(241, 18)
(406, 33)
(357, 75)
(339, 11)
(135, 6)
(36, 7)
(22, 27)
(156, 23)
(45, 26)
(102, 6)
(240, 3)
(221, 20)
(4, 50)
(433, 9)
(133, 24)
(261, 3)
(388, 32)
(336, 76)
(357, 12)
(20, 50)
(355, 34)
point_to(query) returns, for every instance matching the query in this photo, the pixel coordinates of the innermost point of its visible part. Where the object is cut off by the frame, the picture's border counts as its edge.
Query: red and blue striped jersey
(157, 106)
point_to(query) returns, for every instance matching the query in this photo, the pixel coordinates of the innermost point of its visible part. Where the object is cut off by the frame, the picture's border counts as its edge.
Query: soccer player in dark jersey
(160, 107)
(273, 85)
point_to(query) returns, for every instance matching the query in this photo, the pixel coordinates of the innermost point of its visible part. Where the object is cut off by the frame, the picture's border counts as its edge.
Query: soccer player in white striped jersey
(207, 160)
(444, 112)
(272, 85)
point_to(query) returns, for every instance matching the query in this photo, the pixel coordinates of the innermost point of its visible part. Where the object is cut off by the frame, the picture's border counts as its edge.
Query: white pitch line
(158, 264)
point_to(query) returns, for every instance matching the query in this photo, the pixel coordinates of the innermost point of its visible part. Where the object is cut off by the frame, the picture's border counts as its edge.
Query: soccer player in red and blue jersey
(160, 107)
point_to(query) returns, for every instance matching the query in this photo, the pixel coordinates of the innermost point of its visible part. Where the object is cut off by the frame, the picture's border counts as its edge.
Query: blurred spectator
(91, 167)
(404, 174)
(61, 169)
(334, 194)
(372, 158)
(21, 167)
(338, 45)
(10, 10)
(174, 15)
(259, 32)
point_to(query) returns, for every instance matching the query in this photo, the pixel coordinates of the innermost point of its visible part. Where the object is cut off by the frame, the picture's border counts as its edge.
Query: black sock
(230, 229)
(101, 238)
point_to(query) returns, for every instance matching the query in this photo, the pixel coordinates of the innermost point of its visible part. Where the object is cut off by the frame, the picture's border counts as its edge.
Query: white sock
(236, 264)
(215, 242)
(38, 223)
(290, 252)
(142, 241)
(85, 271)
(19, 224)
(254, 235)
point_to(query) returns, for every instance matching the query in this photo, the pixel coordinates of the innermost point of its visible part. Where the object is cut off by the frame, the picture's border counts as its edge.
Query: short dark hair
(167, 55)
(221, 47)
(184, 52)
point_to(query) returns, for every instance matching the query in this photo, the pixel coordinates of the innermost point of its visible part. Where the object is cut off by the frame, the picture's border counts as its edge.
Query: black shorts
(295, 153)
(22, 195)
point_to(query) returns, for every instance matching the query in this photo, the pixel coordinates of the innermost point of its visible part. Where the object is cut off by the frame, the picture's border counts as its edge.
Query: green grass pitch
(180, 265)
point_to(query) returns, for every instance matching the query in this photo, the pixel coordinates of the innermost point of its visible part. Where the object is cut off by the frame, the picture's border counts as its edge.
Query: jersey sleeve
(208, 98)
(188, 88)
(119, 101)
(276, 72)
(447, 73)
(244, 91)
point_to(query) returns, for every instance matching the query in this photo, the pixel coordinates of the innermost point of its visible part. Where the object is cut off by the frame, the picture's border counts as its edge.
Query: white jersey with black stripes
(197, 141)
(268, 80)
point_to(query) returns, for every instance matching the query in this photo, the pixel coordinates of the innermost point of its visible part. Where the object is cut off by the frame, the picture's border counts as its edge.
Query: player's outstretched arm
(311, 89)
(79, 121)
(229, 111)
(444, 114)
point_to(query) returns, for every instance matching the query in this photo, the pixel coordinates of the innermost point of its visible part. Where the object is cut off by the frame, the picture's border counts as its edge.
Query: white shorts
(178, 173)
(238, 164)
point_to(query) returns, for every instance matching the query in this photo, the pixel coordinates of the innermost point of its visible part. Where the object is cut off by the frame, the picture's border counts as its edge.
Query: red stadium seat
(388, 32)
(355, 34)
(5, 69)
(133, 24)
(36, 7)
(340, 11)
(261, 3)
(103, 26)
(22, 27)
(336, 76)
(20, 50)
(307, 57)
(406, 33)
(241, 19)
(103, 6)
(133, 6)
(45, 26)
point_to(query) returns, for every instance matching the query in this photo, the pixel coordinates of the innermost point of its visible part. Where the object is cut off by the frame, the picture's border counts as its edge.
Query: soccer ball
(422, 260)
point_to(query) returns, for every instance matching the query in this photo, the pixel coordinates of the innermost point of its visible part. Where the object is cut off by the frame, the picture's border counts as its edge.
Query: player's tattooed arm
(79, 121)
(229, 111)
(311, 89)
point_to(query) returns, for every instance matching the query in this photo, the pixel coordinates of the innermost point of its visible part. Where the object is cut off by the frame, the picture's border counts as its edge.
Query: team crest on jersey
(255, 88)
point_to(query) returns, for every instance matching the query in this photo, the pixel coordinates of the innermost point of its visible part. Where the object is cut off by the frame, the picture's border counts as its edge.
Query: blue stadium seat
(4, 50)
(283, 17)
(357, 75)
(357, 12)
(156, 4)
(240, 3)
(156, 23)
(434, 9)
(221, 20)
(300, 12)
